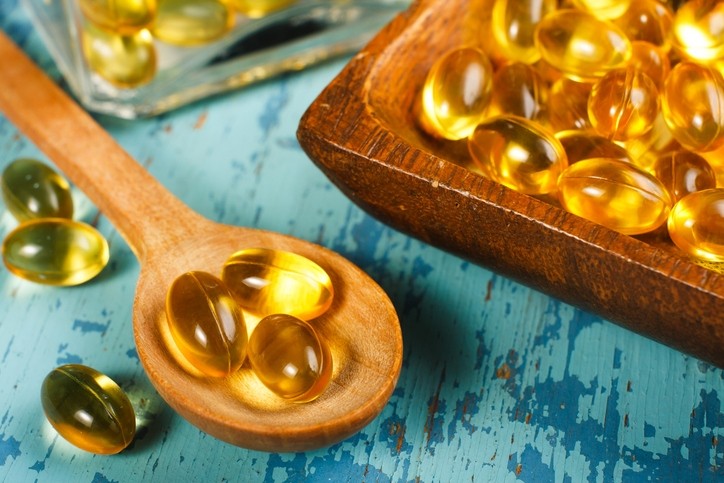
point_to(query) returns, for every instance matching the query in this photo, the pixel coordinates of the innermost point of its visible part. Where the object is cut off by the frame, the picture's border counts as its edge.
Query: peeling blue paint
(9, 448)
(88, 326)
(101, 478)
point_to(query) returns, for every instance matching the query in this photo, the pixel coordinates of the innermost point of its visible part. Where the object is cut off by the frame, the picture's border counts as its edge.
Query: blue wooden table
(499, 382)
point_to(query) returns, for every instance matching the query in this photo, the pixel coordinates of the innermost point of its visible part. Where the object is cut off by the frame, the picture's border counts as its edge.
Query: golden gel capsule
(55, 251)
(698, 31)
(615, 194)
(623, 104)
(519, 90)
(290, 358)
(122, 17)
(581, 46)
(649, 21)
(206, 323)
(580, 145)
(191, 22)
(604, 9)
(568, 105)
(88, 409)
(266, 282)
(693, 106)
(126, 61)
(646, 149)
(683, 172)
(650, 60)
(456, 93)
(518, 153)
(259, 8)
(696, 224)
(32, 189)
(513, 24)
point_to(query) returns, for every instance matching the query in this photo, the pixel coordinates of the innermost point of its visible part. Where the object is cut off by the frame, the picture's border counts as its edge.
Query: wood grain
(361, 131)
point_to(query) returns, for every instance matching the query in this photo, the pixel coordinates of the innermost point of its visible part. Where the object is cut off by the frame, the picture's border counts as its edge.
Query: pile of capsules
(615, 107)
(117, 36)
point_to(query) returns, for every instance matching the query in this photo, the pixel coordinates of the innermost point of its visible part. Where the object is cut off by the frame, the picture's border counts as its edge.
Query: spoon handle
(143, 211)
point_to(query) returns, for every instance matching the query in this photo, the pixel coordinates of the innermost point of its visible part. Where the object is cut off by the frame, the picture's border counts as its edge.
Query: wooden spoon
(169, 239)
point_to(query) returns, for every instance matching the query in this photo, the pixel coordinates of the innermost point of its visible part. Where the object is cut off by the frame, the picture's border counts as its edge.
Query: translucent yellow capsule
(125, 61)
(513, 24)
(693, 106)
(580, 145)
(623, 104)
(650, 60)
(456, 93)
(683, 172)
(265, 282)
(518, 90)
(568, 105)
(518, 153)
(88, 409)
(645, 150)
(604, 9)
(32, 189)
(191, 22)
(699, 30)
(206, 323)
(615, 194)
(290, 358)
(122, 17)
(259, 8)
(648, 20)
(55, 251)
(581, 46)
(696, 224)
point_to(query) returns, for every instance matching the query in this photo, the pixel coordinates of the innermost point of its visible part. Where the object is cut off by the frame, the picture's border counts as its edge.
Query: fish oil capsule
(126, 61)
(581, 46)
(122, 17)
(513, 24)
(580, 145)
(650, 60)
(683, 172)
(191, 22)
(645, 150)
(604, 9)
(290, 358)
(568, 105)
(88, 409)
(55, 251)
(623, 104)
(615, 194)
(259, 8)
(696, 224)
(693, 106)
(206, 323)
(648, 20)
(518, 90)
(265, 281)
(456, 93)
(518, 153)
(32, 189)
(698, 30)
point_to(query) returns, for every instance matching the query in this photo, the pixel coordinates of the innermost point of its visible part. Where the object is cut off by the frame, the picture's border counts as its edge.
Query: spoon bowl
(170, 239)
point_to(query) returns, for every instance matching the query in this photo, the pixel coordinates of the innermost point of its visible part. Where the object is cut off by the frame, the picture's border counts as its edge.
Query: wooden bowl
(362, 133)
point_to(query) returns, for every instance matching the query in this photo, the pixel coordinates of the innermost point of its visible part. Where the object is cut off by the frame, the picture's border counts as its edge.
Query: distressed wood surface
(499, 382)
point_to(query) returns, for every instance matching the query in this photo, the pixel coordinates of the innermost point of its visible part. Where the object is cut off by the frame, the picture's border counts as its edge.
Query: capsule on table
(259, 8)
(623, 104)
(581, 46)
(518, 153)
(32, 189)
(126, 61)
(684, 172)
(582, 144)
(55, 251)
(615, 194)
(697, 31)
(693, 106)
(122, 17)
(88, 409)
(206, 323)
(192, 22)
(518, 90)
(265, 281)
(568, 105)
(696, 224)
(604, 9)
(290, 357)
(648, 20)
(513, 24)
(456, 93)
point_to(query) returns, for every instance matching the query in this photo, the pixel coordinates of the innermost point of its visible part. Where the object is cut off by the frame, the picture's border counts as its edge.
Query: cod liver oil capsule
(88, 409)
(698, 31)
(259, 8)
(191, 22)
(125, 61)
(456, 93)
(646, 149)
(206, 323)
(32, 189)
(615, 194)
(265, 281)
(513, 24)
(518, 90)
(581, 46)
(568, 105)
(693, 106)
(290, 358)
(580, 145)
(122, 17)
(518, 153)
(648, 20)
(604, 9)
(696, 225)
(623, 104)
(650, 60)
(55, 251)
(684, 172)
